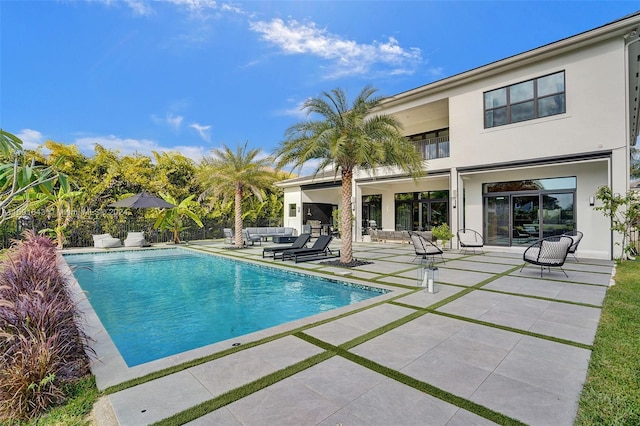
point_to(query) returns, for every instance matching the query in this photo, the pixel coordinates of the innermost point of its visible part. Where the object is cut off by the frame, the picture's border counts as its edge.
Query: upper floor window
(540, 97)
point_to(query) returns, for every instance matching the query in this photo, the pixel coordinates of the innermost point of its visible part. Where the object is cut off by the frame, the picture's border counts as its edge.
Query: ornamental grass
(42, 348)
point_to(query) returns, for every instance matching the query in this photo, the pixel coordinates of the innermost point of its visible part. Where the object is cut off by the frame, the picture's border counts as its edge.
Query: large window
(519, 212)
(420, 211)
(540, 97)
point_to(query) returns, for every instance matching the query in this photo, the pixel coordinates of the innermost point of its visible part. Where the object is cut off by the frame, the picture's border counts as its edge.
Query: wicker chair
(424, 248)
(548, 252)
(470, 239)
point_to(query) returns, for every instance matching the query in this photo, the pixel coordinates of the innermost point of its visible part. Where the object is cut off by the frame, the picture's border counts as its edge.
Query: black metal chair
(576, 236)
(424, 248)
(470, 239)
(550, 252)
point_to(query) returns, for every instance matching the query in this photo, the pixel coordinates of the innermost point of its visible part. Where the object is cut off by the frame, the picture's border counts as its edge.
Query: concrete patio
(493, 340)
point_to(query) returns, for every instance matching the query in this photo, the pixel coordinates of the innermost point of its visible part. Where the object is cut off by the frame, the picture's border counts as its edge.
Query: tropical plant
(16, 178)
(624, 212)
(58, 195)
(345, 138)
(173, 218)
(237, 173)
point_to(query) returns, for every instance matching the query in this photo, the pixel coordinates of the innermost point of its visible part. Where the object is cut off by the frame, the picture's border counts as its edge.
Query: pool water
(156, 303)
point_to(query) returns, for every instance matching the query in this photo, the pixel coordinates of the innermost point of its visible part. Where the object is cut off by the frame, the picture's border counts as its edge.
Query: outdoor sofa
(402, 236)
(266, 232)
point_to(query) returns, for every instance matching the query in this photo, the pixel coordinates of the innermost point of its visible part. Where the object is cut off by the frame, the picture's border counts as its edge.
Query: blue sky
(190, 75)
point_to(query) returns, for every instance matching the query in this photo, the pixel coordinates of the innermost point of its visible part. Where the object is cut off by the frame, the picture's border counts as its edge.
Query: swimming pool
(157, 303)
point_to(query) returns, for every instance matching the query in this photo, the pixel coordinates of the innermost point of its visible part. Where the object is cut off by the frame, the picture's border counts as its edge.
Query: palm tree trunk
(346, 250)
(238, 208)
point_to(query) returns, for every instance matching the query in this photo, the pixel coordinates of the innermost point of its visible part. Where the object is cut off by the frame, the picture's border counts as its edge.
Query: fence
(81, 228)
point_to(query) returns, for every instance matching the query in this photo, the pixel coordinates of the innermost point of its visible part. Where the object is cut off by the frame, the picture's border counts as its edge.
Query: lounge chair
(106, 241)
(320, 249)
(424, 248)
(548, 252)
(248, 237)
(135, 239)
(228, 235)
(470, 239)
(299, 243)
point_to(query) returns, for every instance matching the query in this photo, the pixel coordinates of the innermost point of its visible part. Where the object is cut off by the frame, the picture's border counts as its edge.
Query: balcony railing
(433, 148)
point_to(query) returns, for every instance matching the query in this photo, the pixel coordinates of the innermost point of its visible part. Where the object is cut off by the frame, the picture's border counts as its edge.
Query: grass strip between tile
(421, 386)
(233, 395)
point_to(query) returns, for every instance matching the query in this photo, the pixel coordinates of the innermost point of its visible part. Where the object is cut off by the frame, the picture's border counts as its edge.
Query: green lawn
(611, 395)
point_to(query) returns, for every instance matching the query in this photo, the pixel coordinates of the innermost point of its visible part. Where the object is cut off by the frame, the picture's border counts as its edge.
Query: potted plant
(442, 233)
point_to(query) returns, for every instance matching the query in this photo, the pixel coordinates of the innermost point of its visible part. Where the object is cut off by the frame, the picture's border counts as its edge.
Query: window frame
(489, 112)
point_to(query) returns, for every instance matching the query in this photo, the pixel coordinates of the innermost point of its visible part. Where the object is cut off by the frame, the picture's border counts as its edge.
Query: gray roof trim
(538, 162)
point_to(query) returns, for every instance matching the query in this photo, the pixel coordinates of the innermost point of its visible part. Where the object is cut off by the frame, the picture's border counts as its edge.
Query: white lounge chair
(135, 239)
(106, 241)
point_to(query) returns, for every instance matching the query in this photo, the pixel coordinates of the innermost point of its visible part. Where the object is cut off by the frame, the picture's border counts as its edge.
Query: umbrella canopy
(143, 200)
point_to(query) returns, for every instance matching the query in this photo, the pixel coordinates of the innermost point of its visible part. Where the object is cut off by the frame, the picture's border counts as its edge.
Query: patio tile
(352, 326)
(573, 292)
(338, 380)
(465, 418)
(403, 345)
(493, 259)
(439, 370)
(454, 276)
(494, 268)
(474, 304)
(423, 299)
(527, 403)
(575, 323)
(287, 402)
(152, 401)
(392, 403)
(561, 379)
(219, 417)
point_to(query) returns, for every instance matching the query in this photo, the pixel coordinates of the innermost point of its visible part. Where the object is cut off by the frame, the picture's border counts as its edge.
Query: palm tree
(345, 138)
(237, 173)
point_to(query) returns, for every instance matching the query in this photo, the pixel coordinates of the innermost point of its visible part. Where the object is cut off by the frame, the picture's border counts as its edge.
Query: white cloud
(174, 121)
(128, 146)
(203, 131)
(346, 56)
(31, 139)
(125, 146)
(295, 111)
(196, 153)
(139, 7)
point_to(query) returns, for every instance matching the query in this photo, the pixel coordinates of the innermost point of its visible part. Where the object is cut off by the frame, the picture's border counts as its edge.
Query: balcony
(432, 148)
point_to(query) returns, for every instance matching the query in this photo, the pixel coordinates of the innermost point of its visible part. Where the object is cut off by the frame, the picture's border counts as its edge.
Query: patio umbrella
(142, 200)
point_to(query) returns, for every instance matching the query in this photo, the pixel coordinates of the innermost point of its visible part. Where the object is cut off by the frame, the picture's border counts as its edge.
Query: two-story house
(515, 149)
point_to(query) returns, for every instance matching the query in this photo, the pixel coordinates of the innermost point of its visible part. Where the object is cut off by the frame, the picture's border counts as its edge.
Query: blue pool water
(156, 303)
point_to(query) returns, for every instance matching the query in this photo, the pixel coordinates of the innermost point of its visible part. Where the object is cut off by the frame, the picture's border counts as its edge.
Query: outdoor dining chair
(424, 248)
(470, 239)
(576, 237)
